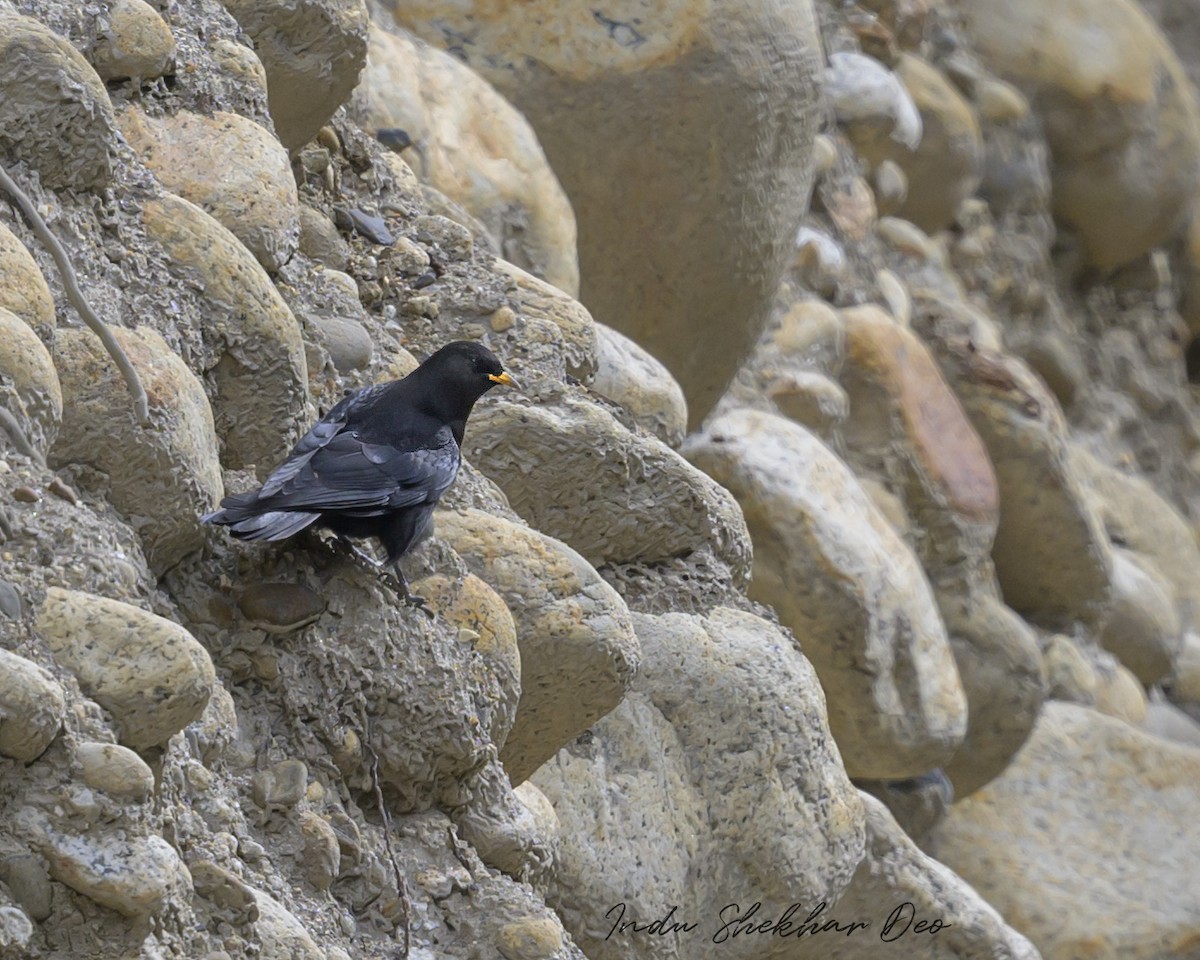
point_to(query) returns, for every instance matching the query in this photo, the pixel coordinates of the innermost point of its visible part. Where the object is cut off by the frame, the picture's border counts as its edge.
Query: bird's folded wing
(347, 474)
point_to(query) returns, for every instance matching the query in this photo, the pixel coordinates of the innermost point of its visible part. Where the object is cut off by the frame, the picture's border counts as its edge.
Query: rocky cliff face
(839, 554)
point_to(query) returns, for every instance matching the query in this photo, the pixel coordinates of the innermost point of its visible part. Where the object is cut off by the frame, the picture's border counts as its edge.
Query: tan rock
(1143, 630)
(1183, 685)
(228, 166)
(313, 52)
(241, 65)
(628, 375)
(578, 648)
(55, 114)
(1120, 695)
(280, 934)
(944, 917)
(572, 470)
(682, 238)
(320, 239)
(1124, 184)
(1122, 888)
(23, 288)
(134, 41)
(116, 770)
(538, 299)
(726, 716)
(261, 377)
(853, 592)
(1070, 675)
(32, 708)
(149, 673)
(474, 607)
(163, 476)
(138, 876)
(1052, 558)
(1171, 723)
(29, 387)
(532, 938)
(473, 146)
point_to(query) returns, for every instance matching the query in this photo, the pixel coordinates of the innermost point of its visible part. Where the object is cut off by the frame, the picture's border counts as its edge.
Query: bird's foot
(410, 598)
(362, 554)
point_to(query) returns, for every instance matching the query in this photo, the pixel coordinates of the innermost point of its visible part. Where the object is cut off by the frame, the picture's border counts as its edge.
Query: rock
(322, 855)
(1122, 888)
(1124, 184)
(629, 376)
(945, 168)
(320, 239)
(474, 147)
(905, 237)
(905, 422)
(32, 708)
(1119, 694)
(1171, 723)
(726, 716)
(16, 931)
(280, 935)
(1003, 676)
(280, 607)
(149, 673)
(1143, 630)
(228, 166)
(578, 648)
(313, 52)
(261, 378)
(502, 830)
(11, 605)
(27, 880)
(959, 923)
(1070, 675)
(572, 470)
(55, 114)
(1137, 516)
(532, 938)
(346, 340)
(281, 786)
(242, 66)
(712, 208)
(811, 399)
(136, 42)
(841, 578)
(116, 770)
(29, 387)
(537, 299)
(473, 606)
(23, 288)
(162, 476)
(139, 877)
(870, 103)
(1052, 558)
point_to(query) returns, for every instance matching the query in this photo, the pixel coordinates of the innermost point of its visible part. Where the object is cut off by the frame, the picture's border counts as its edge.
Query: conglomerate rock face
(830, 588)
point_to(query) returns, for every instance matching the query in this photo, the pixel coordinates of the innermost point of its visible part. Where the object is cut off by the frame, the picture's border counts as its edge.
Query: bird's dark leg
(362, 554)
(410, 598)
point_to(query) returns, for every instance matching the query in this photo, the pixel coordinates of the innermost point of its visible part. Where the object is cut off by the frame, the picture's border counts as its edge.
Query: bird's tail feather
(273, 525)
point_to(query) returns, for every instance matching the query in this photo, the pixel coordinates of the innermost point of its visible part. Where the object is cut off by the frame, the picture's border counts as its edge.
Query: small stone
(224, 889)
(10, 601)
(504, 318)
(242, 66)
(346, 340)
(27, 880)
(23, 288)
(1000, 102)
(26, 495)
(810, 398)
(16, 930)
(283, 785)
(322, 855)
(628, 375)
(320, 240)
(1120, 695)
(895, 295)
(532, 938)
(891, 186)
(32, 708)
(905, 237)
(280, 607)
(138, 43)
(452, 238)
(824, 154)
(116, 770)
(1070, 675)
(371, 227)
(1143, 628)
(409, 258)
(148, 672)
(63, 492)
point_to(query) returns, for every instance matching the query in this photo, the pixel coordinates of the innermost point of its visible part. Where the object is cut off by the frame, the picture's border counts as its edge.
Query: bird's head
(459, 374)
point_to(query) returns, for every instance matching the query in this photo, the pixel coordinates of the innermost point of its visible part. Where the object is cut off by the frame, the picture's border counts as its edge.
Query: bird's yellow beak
(505, 379)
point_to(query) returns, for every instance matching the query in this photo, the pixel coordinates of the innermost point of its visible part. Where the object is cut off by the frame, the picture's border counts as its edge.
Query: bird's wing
(347, 474)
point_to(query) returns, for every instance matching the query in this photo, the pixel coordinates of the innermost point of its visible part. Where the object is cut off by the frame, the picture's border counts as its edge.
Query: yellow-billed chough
(376, 464)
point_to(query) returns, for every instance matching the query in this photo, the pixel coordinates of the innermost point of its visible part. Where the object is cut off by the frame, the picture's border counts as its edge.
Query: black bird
(377, 463)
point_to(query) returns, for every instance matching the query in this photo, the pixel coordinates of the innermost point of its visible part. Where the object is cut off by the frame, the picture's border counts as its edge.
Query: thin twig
(20, 441)
(401, 881)
(141, 406)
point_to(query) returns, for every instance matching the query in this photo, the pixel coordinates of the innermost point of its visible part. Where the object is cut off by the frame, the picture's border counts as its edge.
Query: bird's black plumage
(377, 463)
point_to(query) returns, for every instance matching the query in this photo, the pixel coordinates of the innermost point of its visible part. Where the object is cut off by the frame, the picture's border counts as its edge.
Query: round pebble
(283, 785)
(116, 770)
(280, 607)
(32, 708)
